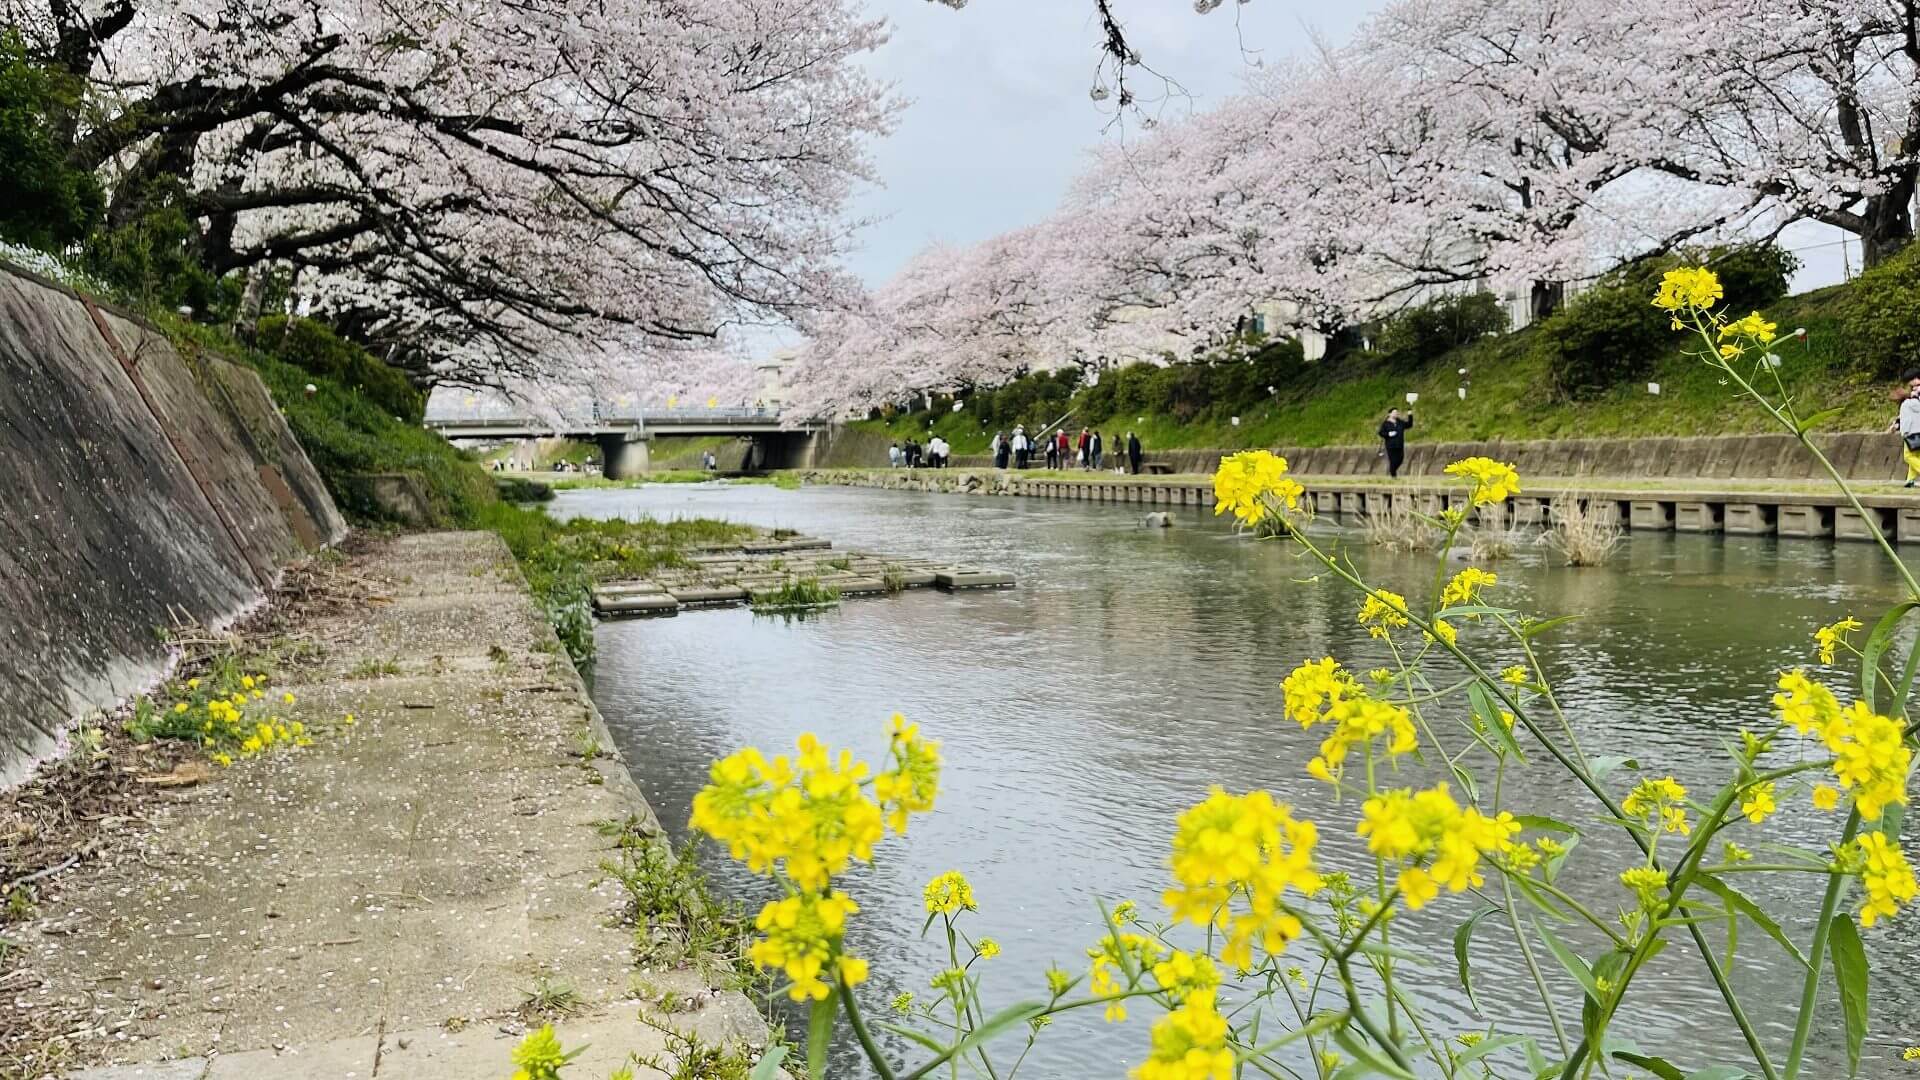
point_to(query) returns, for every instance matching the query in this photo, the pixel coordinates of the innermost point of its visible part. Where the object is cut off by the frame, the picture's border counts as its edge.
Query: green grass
(1341, 402)
(795, 595)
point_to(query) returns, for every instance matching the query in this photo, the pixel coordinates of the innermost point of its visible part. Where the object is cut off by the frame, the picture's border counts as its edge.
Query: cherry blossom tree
(490, 191)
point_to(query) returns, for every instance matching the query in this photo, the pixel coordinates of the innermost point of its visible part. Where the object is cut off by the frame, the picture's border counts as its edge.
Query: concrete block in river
(1699, 517)
(1650, 515)
(710, 594)
(1749, 519)
(1849, 525)
(969, 578)
(1805, 521)
(638, 604)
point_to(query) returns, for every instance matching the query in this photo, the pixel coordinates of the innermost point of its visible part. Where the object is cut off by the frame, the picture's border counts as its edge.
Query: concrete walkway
(378, 904)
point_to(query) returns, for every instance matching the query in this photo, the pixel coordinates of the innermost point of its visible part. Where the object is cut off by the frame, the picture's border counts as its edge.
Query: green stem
(859, 1023)
(1816, 958)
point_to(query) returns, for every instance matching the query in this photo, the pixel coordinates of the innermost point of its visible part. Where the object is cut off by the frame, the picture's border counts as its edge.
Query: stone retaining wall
(139, 492)
(1859, 455)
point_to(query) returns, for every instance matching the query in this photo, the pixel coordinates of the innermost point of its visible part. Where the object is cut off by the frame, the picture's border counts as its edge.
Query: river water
(1132, 668)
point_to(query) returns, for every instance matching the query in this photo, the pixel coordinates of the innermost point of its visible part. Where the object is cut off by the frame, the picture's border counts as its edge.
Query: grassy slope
(1341, 402)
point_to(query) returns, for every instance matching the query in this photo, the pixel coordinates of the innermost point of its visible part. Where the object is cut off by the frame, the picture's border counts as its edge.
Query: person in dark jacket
(1393, 433)
(1133, 453)
(1093, 454)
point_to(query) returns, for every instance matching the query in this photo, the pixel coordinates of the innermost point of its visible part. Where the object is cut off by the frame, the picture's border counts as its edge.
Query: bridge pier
(624, 454)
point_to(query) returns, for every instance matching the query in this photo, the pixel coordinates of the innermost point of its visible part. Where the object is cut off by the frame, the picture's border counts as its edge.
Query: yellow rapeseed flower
(1466, 587)
(1870, 758)
(1825, 797)
(1753, 326)
(1660, 799)
(287, 698)
(1829, 638)
(913, 783)
(1689, 288)
(1135, 952)
(1189, 1043)
(1805, 704)
(246, 682)
(1246, 846)
(1885, 875)
(1757, 802)
(1493, 481)
(803, 936)
(1429, 827)
(807, 815)
(986, 948)
(1382, 611)
(180, 707)
(949, 894)
(1244, 482)
(1647, 883)
(1514, 676)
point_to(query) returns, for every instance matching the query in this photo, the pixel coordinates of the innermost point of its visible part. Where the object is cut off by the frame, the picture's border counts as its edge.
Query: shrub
(1751, 275)
(1882, 313)
(43, 203)
(315, 348)
(1422, 333)
(1607, 335)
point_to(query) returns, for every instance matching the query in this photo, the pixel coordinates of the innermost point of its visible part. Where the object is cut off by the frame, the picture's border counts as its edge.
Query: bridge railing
(507, 417)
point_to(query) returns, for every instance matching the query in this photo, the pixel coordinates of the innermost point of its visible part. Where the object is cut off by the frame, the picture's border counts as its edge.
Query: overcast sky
(998, 114)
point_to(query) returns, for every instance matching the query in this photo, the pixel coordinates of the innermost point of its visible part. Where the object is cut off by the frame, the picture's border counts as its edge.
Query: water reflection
(1134, 667)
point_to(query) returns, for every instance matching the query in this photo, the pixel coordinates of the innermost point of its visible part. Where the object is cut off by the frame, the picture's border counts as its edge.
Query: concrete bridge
(624, 434)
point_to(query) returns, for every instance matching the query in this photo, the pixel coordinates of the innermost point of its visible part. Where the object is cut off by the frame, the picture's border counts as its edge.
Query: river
(1134, 667)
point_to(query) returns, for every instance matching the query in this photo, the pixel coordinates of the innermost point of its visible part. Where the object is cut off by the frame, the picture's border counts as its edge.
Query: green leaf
(1365, 1055)
(1850, 972)
(1544, 823)
(1601, 766)
(1467, 610)
(1545, 625)
(915, 1034)
(1487, 708)
(1487, 1046)
(1876, 647)
(769, 1065)
(820, 1033)
(1806, 424)
(1754, 913)
(1462, 940)
(1659, 1067)
(998, 1022)
(1570, 960)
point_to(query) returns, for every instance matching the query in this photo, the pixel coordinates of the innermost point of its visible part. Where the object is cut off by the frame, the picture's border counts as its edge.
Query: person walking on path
(1086, 449)
(1908, 425)
(1093, 453)
(1133, 453)
(1000, 449)
(1021, 447)
(894, 457)
(1053, 451)
(1393, 433)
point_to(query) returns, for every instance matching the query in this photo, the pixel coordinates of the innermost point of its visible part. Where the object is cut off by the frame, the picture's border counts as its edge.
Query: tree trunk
(1545, 298)
(1889, 223)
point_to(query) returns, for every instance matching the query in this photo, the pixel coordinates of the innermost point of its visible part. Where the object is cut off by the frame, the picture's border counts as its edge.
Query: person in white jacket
(1908, 425)
(1021, 447)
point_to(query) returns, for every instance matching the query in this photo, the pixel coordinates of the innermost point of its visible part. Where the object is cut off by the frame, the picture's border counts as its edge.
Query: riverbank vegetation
(1267, 959)
(1582, 373)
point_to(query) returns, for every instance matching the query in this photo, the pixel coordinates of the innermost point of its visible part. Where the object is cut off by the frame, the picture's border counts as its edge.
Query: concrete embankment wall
(138, 491)
(1859, 455)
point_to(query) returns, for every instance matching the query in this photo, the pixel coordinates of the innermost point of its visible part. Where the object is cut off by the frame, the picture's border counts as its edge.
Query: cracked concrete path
(377, 904)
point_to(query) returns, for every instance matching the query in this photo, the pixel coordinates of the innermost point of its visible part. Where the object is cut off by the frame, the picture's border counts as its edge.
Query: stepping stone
(969, 578)
(638, 604)
(711, 594)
